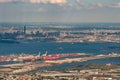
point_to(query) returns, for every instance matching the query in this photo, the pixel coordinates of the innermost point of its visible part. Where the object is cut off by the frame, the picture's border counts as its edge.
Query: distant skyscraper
(24, 30)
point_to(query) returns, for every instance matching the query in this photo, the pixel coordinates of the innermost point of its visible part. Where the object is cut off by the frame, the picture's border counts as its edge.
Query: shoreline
(31, 66)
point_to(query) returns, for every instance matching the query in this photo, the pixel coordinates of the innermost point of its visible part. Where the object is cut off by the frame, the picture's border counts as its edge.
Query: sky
(60, 11)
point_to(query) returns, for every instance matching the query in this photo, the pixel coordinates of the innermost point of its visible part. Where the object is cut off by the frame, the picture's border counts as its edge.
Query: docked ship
(46, 57)
(51, 57)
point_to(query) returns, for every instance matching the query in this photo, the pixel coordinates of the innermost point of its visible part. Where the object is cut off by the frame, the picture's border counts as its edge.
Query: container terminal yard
(44, 57)
(28, 67)
(34, 62)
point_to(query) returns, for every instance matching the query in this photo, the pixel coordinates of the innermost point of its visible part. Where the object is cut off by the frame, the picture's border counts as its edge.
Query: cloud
(37, 1)
(100, 5)
(117, 5)
(41, 9)
(3, 1)
(112, 5)
(6, 1)
(78, 1)
(67, 4)
(83, 5)
(49, 1)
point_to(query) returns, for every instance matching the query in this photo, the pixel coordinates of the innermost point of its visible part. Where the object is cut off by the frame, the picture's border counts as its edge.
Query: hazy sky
(59, 10)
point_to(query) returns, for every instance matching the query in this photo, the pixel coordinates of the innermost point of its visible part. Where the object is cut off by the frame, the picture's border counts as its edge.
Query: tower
(24, 30)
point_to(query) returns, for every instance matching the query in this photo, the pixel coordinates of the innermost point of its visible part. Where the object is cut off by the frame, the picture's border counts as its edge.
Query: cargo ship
(51, 57)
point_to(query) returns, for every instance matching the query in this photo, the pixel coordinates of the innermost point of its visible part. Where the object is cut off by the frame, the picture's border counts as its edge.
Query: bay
(34, 47)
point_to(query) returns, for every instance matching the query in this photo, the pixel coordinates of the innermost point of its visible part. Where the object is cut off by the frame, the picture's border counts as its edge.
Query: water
(94, 48)
(34, 47)
(56, 48)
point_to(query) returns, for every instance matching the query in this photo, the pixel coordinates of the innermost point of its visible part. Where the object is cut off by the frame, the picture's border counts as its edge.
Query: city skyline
(59, 11)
